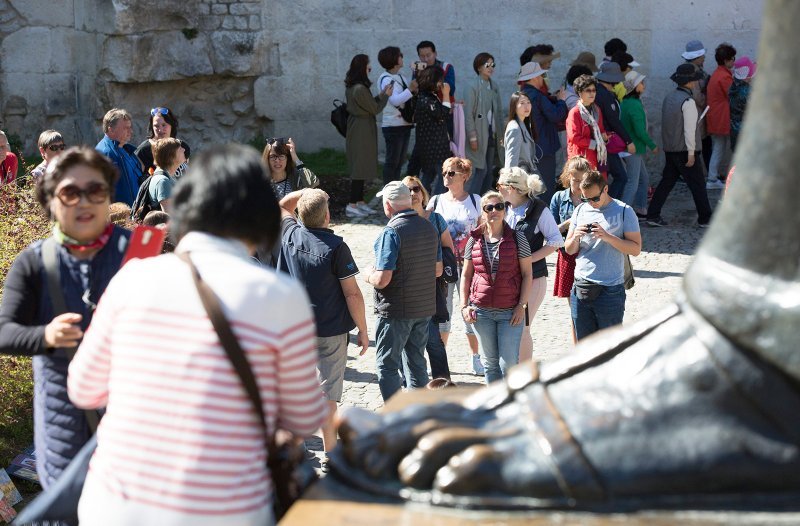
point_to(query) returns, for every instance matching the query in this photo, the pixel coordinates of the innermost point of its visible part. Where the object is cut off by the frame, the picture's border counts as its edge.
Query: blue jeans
(635, 192)
(397, 138)
(547, 169)
(431, 178)
(498, 341)
(607, 310)
(401, 341)
(616, 169)
(437, 354)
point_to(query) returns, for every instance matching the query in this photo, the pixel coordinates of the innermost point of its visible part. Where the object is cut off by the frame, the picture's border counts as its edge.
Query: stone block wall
(236, 69)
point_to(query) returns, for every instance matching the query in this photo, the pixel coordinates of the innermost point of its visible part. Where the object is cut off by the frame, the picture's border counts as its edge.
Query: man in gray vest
(682, 142)
(408, 259)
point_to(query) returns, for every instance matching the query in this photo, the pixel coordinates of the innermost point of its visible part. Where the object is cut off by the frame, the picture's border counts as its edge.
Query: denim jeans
(607, 310)
(431, 178)
(547, 169)
(616, 169)
(481, 180)
(720, 157)
(635, 192)
(674, 166)
(397, 138)
(401, 342)
(498, 341)
(437, 354)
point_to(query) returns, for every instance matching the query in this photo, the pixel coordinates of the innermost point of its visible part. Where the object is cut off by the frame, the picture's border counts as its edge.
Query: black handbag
(442, 314)
(449, 265)
(339, 117)
(409, 107)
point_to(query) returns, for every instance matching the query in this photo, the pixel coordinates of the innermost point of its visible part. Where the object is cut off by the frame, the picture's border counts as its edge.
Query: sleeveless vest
(503, 291)
(672, 122)
(411, 293)
(527, 226)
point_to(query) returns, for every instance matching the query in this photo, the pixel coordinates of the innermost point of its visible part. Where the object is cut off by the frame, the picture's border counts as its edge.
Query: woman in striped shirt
(180, 442)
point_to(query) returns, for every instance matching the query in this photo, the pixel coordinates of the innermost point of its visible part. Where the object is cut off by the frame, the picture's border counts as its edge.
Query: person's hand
(363, 341)
(690, 160)
(389, 89)
(599, 232)
(63, 331)
(467, 313)
(473, 144)
(445, 90)
(518, 315)
(368, 272)
(654, 150)
(631, 148)
(561, 94)
(414, 87)
(604, 135)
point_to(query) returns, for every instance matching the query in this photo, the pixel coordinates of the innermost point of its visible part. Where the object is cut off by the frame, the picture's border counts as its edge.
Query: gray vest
(672, 122)
(412, 291)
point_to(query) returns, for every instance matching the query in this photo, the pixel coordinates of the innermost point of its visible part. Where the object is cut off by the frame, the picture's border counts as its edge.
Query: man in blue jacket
(118, 130)
(548, 114)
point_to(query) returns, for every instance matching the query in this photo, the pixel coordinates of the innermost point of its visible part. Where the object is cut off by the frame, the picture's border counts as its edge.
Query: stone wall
(236, 69)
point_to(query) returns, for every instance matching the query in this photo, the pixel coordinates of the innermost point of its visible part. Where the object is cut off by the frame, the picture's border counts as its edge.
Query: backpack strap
(53, 274)
(435, 202)
(474, 203)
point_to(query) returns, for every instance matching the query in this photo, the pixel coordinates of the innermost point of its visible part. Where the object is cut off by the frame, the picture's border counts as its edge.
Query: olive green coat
(362, 131)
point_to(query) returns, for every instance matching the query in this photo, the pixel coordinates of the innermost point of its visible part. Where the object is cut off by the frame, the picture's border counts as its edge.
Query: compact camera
(419, 66)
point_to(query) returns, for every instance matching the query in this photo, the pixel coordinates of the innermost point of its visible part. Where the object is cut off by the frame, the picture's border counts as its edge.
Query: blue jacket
(128, 165)
(60, 428)
(546, 116)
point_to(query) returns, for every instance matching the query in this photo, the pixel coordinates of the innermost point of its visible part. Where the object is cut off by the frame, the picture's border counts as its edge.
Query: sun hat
(632, 79)
(541, 57)
(744, 68)
(610, 72)
(529, 71)
(694, 49)
(586, 58)
(686, 73)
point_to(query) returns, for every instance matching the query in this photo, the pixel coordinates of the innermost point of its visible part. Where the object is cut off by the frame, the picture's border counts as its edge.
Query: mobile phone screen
(145, 242)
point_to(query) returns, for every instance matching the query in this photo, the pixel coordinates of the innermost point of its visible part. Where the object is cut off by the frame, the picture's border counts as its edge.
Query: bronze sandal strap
(576, 477)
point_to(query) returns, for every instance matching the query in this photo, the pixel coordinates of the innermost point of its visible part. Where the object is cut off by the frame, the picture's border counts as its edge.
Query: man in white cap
(547, 115)
(408, 259)
(695, 54)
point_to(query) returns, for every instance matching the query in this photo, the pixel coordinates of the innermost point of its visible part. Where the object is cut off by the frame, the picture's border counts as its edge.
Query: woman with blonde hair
(497, 279)
(437, 353)
(562, 205)
(530, 215)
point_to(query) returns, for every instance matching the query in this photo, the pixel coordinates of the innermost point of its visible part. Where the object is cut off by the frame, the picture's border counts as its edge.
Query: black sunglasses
(57, 147)
(451, 173)
(414, 189)
(595, 199)
(95, 193)
(497, 206)
(276, 140)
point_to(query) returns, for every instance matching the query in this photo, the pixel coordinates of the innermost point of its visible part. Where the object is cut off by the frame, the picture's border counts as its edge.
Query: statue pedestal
(332, 503)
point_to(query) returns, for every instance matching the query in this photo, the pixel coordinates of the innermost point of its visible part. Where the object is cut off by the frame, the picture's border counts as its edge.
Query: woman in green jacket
(483, 121)
(635, 122)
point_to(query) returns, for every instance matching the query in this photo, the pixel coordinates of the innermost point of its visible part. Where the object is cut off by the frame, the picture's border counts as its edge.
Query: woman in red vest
(496, 277)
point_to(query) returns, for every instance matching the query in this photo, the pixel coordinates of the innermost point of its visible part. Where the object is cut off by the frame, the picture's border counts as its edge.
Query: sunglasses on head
(276, 140)
(57, 147)
(95, 193)
(497, 206)
(162, 111)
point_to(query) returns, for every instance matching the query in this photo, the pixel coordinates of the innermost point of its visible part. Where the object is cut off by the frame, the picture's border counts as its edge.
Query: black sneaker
(656, 221)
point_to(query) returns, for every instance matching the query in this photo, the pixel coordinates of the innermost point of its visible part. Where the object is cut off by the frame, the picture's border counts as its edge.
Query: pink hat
(744, 68)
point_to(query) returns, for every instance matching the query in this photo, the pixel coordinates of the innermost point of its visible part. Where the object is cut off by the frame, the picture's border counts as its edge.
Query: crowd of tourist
(479, 210)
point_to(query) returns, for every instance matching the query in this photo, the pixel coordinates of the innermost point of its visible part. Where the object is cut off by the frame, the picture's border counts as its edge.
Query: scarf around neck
(589, 119)
(74, 244)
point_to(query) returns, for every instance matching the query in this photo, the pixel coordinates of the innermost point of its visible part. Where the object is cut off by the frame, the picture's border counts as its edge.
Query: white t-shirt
(461, 216)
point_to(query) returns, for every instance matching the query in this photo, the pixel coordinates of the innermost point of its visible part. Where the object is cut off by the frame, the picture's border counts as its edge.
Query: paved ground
(667, 253)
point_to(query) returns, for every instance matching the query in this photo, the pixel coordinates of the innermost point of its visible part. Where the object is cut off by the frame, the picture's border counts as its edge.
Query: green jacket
(635, 122)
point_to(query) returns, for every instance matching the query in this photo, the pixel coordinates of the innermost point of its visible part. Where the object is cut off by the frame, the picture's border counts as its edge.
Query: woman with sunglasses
(585, 133)
(286, 171)
(497, 279)
(461, 210)
(162, 124)
(437, 354)
(520, 134)
(483, 121)
(83, 254)
(530, 215)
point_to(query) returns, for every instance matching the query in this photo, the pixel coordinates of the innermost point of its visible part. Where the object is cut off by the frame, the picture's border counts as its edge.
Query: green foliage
(21, 222)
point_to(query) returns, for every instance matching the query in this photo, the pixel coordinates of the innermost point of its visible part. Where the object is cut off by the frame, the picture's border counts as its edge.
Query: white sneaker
(354, 211)
(364, 207)
(715, 185)
(477, 366)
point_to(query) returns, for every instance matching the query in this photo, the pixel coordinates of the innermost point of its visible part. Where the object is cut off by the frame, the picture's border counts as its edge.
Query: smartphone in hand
(145, 242)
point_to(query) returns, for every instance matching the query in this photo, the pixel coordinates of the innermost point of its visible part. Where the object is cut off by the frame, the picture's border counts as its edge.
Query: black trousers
(676, 166)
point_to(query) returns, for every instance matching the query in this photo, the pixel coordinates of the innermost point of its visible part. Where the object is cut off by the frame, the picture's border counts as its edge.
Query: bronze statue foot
(664, 412)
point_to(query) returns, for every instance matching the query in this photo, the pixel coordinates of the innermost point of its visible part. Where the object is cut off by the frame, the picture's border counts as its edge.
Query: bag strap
(232, 349)
(53, 274)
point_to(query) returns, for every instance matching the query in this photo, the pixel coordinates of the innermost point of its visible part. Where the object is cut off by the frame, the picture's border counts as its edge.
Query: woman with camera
(497, 279)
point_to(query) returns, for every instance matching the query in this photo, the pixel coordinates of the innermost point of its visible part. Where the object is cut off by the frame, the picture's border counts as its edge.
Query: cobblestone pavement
(667, 253)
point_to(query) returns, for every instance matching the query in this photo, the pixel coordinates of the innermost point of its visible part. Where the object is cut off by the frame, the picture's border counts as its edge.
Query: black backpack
(143, 205)
(339, 117)
(409, 107)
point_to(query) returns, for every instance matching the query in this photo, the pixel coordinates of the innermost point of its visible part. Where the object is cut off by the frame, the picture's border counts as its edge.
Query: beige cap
(395, 191)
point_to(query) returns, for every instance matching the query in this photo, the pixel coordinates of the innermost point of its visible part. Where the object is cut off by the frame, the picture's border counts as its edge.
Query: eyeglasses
(414, 189)
(162, 111)
(95, 193)
(497, 206)
(451, 173)
(276, 157)
(57, 147)
(595, 199)
(490, 64)
(589, 90)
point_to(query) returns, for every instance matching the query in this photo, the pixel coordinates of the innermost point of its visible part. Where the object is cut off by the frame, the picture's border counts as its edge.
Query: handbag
(339, 117)
(409, 107)
(442, 315)
(616, 144)
(449, 265)
(290, 473)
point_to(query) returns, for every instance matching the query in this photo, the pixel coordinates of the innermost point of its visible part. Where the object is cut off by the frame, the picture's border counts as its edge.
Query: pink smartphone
(145, 242)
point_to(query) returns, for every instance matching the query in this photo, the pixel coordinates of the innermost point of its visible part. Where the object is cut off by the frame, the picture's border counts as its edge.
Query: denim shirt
(561, 206)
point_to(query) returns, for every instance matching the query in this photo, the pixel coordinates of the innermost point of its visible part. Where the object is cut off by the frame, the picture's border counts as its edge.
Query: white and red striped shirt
(179, 431)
